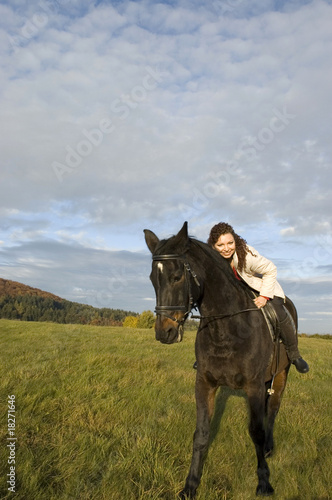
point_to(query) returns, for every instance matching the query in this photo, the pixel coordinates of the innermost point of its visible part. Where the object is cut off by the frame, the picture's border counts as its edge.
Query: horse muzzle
(168, 331)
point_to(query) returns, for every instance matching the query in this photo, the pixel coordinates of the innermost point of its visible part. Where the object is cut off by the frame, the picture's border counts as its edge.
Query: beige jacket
(260, 274)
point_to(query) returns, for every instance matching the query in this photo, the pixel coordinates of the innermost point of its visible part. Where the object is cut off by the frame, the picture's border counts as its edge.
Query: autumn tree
(130, 321)
(146, 320)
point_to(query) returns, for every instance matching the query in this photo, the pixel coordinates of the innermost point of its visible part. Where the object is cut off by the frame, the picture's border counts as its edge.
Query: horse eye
(176, 278)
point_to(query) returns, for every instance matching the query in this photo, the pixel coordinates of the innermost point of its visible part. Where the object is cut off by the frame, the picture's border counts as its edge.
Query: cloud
(116, 279)
(124, 115)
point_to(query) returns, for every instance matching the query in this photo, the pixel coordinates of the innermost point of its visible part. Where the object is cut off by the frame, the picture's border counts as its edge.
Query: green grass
(109, 414)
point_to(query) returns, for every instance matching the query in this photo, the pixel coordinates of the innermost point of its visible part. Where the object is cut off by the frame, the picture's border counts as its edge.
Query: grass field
(109, 413)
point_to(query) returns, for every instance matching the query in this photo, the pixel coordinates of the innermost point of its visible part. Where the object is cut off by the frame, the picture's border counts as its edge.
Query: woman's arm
(257, 264)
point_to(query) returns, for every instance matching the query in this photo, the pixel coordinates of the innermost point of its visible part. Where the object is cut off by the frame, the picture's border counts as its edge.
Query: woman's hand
(260, 301)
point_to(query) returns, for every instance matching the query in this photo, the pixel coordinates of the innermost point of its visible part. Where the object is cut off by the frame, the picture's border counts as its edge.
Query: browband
(168, 257)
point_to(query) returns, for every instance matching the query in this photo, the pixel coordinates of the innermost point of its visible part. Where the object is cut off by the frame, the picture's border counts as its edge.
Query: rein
(222, 316)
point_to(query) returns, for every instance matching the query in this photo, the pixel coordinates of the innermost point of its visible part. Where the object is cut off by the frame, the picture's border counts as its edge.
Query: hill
(14, 288)
(23, 302)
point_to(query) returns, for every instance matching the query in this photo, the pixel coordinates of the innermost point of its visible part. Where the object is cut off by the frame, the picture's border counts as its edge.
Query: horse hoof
(187, 493)
(264, 490)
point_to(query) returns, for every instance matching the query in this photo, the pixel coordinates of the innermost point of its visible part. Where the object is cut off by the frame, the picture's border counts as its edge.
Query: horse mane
(218, 261)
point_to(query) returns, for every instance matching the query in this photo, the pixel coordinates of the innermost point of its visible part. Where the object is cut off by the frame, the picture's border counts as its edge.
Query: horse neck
(221, 292)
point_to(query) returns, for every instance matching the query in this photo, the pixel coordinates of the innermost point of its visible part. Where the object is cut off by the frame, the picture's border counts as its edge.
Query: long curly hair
(240, 244)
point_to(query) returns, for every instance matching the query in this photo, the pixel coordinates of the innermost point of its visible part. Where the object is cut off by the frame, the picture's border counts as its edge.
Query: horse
(234, 346)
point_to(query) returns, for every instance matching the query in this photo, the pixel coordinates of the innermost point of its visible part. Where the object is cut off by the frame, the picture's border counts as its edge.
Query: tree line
(36, 308)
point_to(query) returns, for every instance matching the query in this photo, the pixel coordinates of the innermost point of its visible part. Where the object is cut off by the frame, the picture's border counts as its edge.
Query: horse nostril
(168, 334)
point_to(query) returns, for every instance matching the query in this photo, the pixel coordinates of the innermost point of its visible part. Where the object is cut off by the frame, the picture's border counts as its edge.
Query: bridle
(188, 272)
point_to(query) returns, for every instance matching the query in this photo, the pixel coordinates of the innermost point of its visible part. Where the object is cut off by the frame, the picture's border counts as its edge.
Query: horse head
(175, 284)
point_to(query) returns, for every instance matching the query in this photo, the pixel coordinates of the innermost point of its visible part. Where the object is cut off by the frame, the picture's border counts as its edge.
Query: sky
(118, 116)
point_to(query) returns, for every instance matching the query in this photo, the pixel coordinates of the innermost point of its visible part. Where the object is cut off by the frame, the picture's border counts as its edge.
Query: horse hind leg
(272, 407)
(257, 432)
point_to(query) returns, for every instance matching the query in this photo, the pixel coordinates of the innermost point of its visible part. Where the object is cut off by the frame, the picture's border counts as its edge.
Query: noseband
(162, 310)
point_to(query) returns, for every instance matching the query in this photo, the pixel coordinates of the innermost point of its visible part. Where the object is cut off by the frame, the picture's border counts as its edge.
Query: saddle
(271, 318)
(272, 321)
(274, 326)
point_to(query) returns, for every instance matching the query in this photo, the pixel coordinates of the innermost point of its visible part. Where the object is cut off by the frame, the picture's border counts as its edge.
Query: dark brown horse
(234, 346)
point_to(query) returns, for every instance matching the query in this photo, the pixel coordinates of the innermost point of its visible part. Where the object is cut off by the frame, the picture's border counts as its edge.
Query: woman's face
(225, 245)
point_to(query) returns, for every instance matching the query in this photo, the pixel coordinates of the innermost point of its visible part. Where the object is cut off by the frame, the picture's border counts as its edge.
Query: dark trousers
(278, 304)
(288, 333)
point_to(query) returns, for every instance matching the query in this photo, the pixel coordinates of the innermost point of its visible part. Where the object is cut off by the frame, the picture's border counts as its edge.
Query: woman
(261, 275)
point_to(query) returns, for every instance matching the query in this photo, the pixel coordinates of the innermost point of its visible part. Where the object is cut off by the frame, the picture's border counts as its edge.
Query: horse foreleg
(257, 433)
(205, 396)
(272, 408)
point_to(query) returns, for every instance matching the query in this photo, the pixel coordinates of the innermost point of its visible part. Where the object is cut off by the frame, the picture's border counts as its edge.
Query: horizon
(129, 311)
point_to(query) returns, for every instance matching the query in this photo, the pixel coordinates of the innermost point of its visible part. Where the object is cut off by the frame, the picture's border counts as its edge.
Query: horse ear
(151, 240)
(183, 233)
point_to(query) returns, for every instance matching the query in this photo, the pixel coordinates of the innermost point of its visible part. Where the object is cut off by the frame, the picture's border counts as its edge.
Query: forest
(38, 308)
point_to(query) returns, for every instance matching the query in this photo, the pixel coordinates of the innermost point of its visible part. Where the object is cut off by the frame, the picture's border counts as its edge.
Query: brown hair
(240, 244)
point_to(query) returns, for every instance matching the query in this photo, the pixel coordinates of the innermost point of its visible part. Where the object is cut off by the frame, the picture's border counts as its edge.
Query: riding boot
(289, 339)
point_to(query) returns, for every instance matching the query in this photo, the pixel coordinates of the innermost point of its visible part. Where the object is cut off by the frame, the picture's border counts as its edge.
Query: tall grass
(109, 414)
